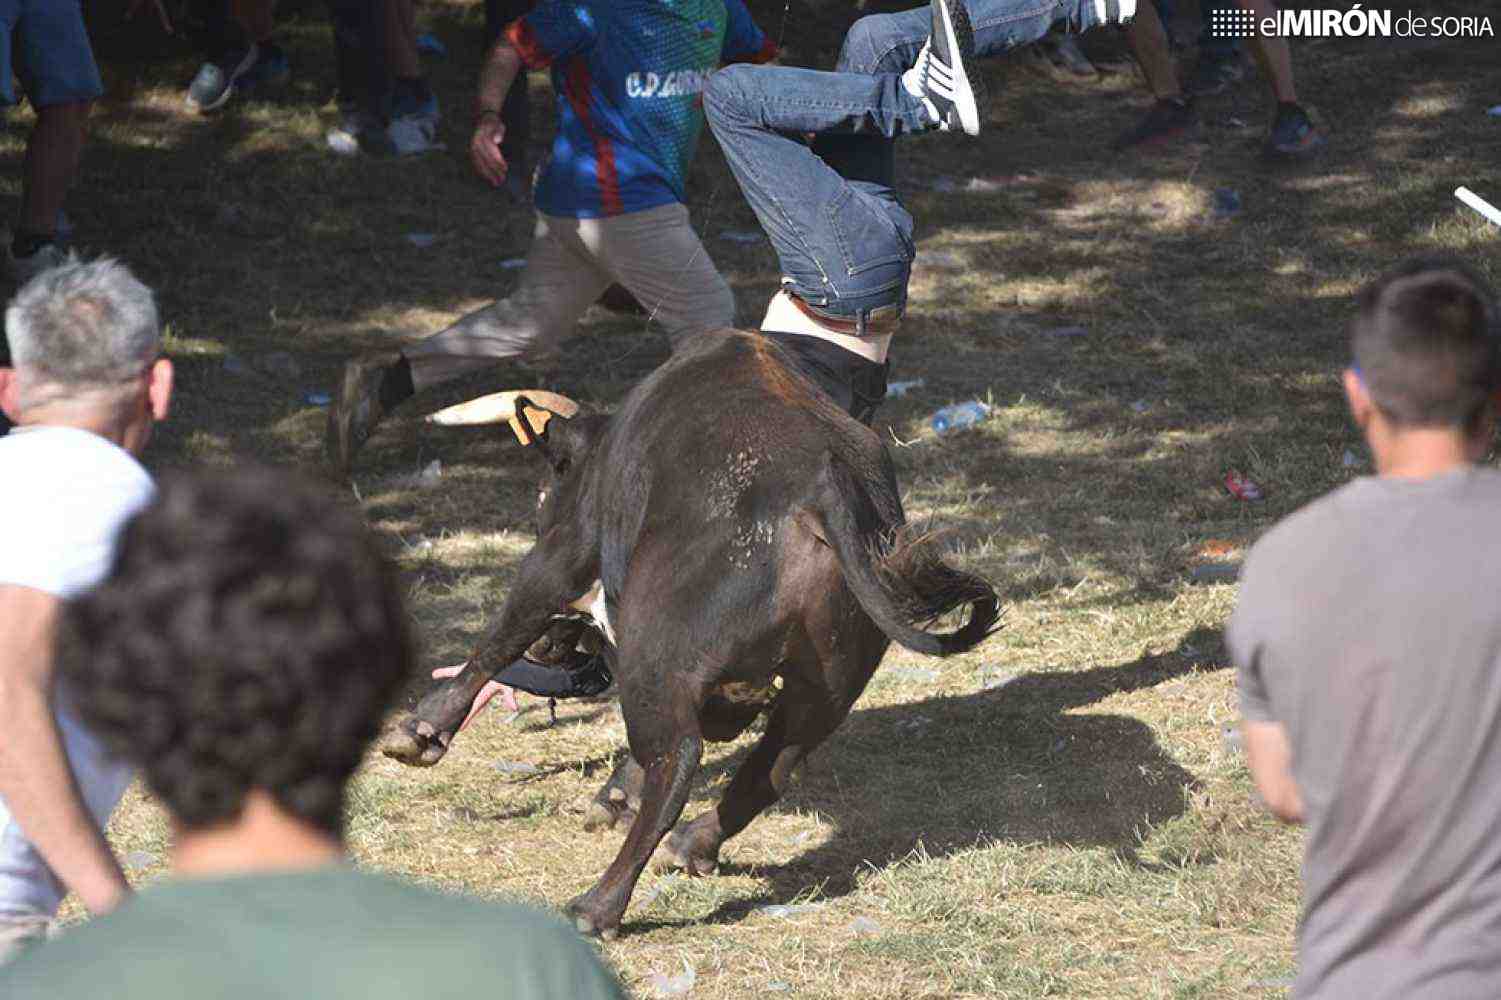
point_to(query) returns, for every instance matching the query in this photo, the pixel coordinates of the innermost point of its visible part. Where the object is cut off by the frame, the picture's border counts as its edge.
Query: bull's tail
(896, 572)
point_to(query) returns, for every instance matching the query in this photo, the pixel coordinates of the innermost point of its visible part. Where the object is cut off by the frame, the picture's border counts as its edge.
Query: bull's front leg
(551, 576)
(664, 793)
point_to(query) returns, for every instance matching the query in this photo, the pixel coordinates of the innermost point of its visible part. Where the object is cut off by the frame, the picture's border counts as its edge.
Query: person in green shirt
(242, 653)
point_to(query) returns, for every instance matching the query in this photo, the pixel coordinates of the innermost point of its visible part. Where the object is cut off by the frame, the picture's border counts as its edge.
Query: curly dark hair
(250, 635)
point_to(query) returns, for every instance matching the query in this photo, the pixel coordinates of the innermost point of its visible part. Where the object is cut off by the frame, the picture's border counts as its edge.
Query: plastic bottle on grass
(959, 416)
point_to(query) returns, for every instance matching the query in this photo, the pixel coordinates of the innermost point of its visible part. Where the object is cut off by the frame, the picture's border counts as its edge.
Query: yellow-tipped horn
(500, 407)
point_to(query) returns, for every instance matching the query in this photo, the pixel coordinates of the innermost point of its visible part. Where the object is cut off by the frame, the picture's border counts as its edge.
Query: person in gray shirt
(1367, 639)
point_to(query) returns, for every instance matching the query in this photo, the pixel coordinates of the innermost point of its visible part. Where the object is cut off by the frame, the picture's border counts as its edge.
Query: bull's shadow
(902, 775)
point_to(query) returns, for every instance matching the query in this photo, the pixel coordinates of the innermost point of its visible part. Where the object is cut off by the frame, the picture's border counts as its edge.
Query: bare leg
(798, 724)
(1272, 54)
(1149, 43)
(1172, 115)
(663, 795)
(52, 155)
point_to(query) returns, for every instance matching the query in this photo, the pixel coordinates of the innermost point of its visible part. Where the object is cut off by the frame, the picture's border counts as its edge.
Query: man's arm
(495, 80)
(1269, 756)
(35, 779)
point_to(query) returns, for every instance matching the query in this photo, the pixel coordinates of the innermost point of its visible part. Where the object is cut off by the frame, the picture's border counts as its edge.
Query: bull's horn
(500, 407)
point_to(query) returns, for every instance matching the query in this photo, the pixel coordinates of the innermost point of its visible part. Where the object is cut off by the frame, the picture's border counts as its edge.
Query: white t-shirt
(64, 494)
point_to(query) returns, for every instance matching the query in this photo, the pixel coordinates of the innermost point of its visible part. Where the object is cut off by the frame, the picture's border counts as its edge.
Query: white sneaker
(940, 76)
(1114, 11)
(344, 138)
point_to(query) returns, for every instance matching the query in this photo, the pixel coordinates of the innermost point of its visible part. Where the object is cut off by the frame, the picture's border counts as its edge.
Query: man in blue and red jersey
(628, 75)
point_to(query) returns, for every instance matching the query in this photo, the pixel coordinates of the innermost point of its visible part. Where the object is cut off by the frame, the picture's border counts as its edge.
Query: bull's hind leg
(662, 726)
(664, 792)
(801, 720)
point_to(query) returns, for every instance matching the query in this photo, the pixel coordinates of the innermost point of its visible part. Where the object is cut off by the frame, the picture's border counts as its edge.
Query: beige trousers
(655, 254)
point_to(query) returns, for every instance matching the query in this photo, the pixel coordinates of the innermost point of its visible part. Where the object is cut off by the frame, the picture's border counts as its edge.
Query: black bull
(745, 529)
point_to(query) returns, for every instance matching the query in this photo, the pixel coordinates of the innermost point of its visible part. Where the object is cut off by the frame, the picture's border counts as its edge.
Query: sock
(24, 243)
(396, 385)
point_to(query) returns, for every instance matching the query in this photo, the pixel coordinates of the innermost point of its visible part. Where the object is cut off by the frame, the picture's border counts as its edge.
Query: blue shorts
(51, 52)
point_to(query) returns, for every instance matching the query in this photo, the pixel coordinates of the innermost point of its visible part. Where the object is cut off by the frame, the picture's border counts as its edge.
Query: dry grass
(1084, 830)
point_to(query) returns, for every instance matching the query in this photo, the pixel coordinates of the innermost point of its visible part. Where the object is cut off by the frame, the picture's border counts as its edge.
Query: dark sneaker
(568, 661)
(1168, 119)
(588, 680)
(353, 416)
(1064, 52)
(1293, 133)
(1213, 76)
(945, 65)
(215, 81)
(1057, 57)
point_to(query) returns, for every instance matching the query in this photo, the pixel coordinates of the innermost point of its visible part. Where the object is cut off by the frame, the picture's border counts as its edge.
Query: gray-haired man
(86, 387)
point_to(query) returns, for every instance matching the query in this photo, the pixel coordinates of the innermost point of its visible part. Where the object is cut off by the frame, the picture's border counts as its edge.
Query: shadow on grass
(1010, 764)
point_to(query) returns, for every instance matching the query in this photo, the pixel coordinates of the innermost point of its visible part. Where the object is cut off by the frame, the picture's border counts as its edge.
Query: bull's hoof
(681, 853)
(589, 923)
(614, 808)
(414, 743)
(606, 817)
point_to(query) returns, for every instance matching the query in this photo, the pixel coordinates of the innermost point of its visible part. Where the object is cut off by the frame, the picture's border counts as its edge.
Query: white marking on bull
(594, 603)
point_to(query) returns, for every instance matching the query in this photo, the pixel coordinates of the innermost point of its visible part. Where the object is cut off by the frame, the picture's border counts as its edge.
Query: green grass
(1082, 831)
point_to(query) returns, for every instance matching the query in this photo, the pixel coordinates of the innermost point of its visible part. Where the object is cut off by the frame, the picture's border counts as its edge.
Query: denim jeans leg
(844, 245)
(889, 43)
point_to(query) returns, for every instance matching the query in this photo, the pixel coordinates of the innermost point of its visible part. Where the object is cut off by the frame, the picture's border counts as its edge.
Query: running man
(628, 75)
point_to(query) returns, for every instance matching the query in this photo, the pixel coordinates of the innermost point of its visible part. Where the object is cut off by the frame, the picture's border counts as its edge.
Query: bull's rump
(715, 461)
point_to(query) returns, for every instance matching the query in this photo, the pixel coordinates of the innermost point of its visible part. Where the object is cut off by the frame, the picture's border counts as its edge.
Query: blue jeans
(843, 240)
(889, 43)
